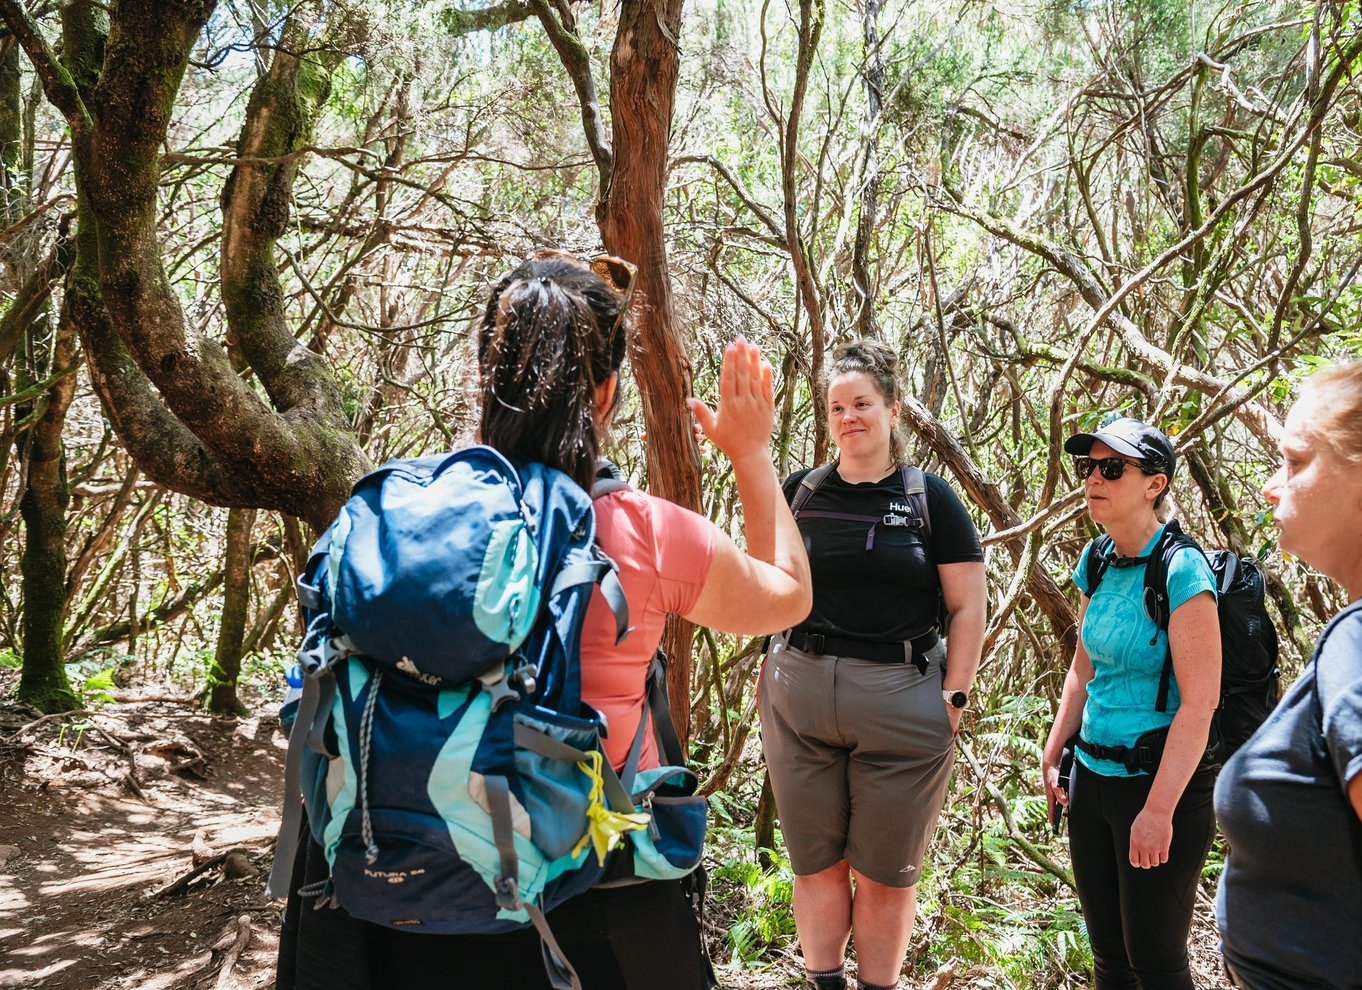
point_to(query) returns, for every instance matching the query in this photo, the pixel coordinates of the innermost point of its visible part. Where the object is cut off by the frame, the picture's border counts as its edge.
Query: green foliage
(192, 665)
(264, 670)
(10, 659)
(1215, 861)
(97, 689)
(1026, 948)
(764, 920)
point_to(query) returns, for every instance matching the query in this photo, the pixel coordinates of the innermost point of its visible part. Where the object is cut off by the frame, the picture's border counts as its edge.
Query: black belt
(910, 651)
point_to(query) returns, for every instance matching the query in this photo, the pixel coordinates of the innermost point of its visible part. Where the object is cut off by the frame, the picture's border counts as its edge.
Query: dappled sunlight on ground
(77, 908)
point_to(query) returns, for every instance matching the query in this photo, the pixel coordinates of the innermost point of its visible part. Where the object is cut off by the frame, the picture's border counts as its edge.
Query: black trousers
(641, 937)
(1138, 920)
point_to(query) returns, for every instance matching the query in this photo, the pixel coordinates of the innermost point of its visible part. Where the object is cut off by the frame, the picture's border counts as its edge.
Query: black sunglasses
(1111, 467)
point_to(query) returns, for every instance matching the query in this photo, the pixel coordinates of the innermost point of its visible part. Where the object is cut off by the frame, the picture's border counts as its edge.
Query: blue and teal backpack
(449, 768)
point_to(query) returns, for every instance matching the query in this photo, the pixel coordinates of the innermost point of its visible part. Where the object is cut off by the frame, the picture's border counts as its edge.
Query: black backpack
(1250, 681)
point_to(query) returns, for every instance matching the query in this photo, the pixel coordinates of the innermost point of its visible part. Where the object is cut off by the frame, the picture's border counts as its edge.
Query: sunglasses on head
(615, 272)
(1111, 467)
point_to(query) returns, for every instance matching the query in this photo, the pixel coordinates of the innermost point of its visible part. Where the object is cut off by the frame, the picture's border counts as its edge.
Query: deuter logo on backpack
(450, 770)
(1250, 680)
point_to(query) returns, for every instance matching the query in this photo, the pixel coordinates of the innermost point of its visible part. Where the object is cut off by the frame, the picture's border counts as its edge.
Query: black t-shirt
(1290, 900)
(889, 593)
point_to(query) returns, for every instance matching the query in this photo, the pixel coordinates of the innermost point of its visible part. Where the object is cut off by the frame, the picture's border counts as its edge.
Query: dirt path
(98, 813)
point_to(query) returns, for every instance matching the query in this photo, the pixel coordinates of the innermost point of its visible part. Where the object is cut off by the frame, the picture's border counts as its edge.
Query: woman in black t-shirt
(1290, 800)
(859, 707)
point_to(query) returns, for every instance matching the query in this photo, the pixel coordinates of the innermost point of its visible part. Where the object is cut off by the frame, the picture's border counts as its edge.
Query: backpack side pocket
(674, 842)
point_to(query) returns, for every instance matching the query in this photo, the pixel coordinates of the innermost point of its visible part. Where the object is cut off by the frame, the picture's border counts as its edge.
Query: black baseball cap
(1133, 439)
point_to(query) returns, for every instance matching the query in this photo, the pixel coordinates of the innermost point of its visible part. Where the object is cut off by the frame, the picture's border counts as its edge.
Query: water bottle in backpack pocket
(293, 693)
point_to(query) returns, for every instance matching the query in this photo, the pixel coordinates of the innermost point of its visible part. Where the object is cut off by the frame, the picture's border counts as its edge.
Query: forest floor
(100, 813)
(119, 829)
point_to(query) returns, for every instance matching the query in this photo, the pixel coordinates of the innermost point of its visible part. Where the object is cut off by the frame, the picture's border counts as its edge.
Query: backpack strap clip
(494, 682)
(525, 675)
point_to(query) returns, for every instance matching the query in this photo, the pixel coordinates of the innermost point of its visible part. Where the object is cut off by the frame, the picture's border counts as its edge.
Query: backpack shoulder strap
(608, 479)
(1317, 742)
(657, 708)
(602, 569)
(809, 484)
(659, 703)
(1099, 558)
(602, 487)
(1156, 571)
(1156, 596)
(915, 490)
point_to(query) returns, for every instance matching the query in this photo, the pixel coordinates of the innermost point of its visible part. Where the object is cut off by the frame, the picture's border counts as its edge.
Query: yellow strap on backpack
(605, 828)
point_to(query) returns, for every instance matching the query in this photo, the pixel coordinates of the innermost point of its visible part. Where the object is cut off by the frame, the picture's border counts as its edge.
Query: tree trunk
(43, 505)
(12, 185)
(44, 495)
(861, 265)
(644, 64)
(236, 598)
(811, 14)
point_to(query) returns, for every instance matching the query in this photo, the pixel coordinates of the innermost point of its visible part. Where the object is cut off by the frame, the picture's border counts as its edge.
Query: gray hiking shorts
(860, 754)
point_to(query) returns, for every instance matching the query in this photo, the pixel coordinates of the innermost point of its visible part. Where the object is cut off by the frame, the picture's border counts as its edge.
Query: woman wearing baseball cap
(1139, 798)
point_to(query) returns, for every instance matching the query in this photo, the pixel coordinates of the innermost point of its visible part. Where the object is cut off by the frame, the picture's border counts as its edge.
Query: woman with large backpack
(1290, 800)
(550, 347)
(861, 701)
(1139, 795)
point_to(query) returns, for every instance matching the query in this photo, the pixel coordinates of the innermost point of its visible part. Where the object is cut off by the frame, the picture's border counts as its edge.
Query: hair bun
(871, 354)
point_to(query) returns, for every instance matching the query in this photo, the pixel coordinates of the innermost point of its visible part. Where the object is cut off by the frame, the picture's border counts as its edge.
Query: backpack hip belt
(1144, 755)
(912, 651)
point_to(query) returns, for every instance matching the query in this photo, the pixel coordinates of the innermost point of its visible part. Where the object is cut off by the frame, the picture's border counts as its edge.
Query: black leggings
(1138, 920)
(643, 937)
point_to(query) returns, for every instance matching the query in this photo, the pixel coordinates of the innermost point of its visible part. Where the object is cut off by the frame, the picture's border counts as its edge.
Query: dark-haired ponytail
(543, 352)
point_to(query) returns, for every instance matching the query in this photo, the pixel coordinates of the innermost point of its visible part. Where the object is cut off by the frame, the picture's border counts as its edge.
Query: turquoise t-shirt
(1127, 651)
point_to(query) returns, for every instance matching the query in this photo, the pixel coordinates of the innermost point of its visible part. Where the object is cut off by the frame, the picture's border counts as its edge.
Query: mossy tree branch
(461, 22)
(58, 86)
(280, 120)
(561, 27)
(986, 495)
(177, 403)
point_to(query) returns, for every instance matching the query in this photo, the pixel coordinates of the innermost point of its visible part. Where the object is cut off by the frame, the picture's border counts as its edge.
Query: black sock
(832, 979)
(863, 985)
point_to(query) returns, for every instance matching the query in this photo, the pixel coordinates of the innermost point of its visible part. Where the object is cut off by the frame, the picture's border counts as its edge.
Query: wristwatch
(956, 699)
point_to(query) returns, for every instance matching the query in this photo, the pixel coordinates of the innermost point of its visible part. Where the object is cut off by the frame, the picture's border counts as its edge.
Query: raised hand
(741, 423)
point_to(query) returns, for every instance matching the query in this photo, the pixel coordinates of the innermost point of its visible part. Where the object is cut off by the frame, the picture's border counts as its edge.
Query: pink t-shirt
(663, 552)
